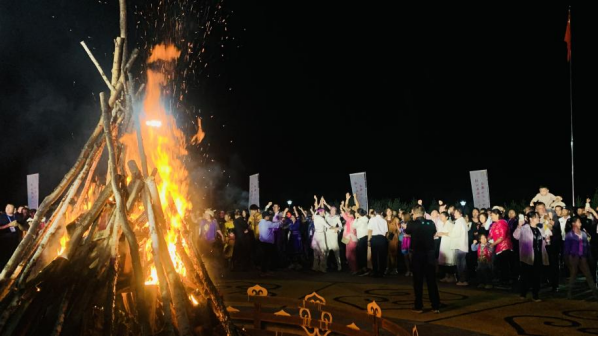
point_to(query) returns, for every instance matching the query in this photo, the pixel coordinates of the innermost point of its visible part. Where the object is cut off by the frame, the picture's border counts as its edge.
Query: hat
(209, 212)
(499, 208)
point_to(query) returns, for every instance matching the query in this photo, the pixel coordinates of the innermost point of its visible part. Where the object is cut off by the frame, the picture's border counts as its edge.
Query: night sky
(305, 93)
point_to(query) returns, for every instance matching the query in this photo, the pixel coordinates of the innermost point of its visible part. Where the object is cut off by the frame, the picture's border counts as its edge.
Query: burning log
(91, 161)
(90, 176)
(164, 290)
(178, 294)
(218, 306)
(24, 245)
(124, 221)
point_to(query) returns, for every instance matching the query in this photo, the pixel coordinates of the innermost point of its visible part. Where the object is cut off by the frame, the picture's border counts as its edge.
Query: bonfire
(126, 263)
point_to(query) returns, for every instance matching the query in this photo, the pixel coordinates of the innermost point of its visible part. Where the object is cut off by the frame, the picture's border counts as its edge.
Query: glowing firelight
(194, 301)
(153, 279)
(63, 244)
(154, 123)
(165, 147)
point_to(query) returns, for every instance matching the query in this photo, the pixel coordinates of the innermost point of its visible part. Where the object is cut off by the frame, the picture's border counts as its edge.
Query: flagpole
(571, 113)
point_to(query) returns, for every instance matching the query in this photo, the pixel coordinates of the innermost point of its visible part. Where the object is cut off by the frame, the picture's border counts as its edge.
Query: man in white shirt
(459, 243)
(334, 225)
(377, 240)
(361, 227)
(565, 216)
(319, 243)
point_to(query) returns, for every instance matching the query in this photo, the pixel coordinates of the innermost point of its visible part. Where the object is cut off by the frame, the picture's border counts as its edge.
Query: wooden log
(123, 30)
(120, 85)
(43, 234)
(140, 221)
(90, 233)
(10, 309)
(95, 62)
(51, 279)
(61, 314)
(134, 170)
(61, 212)
(122, 217)
(87, 220)
(90, 176)
(200, 275)
(16, 320)
(24, 245)
(173, 208)
(153, 189)
(87, 286)
(54, 269)
(123, 18)
(128, 120)
(136, 187)
(178, 293)
(140, 146)
(110, 303)
(162, 281)
(140, 90)
(116, 62)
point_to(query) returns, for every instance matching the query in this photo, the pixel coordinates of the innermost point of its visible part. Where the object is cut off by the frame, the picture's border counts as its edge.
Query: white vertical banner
(33, 190)
(254, 190)
(358, 187)
(480, 188)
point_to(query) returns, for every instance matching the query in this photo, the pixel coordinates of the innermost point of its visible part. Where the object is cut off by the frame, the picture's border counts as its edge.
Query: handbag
(345, 240)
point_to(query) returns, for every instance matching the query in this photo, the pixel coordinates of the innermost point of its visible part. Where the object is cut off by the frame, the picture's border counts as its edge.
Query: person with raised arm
(350, 238)
(361, 227)
(319, 242)
(334, 225)
(267, 242)
(295, 245)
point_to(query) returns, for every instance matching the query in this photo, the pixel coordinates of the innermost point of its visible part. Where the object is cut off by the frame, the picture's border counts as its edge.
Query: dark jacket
(7, 232)
(422, 232)
(572, 244)
(240, 226)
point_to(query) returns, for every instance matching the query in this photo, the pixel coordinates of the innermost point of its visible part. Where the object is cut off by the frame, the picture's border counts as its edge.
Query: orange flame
(63, 244)
(165, 148)
(199, 136)
(153, 278)
(194, 301)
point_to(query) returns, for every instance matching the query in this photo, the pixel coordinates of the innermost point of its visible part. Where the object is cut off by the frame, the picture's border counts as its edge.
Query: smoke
(46, 131)
(215, 185)
(47, 102)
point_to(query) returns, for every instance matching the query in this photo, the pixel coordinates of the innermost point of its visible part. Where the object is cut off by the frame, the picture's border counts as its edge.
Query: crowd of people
(546, 242)
(13, 223)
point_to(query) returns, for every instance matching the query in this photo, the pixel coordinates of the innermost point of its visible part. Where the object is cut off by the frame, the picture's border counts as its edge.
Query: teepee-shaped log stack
(96, 285)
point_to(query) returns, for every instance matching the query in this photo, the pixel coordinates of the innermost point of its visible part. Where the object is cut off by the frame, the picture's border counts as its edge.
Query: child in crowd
(484, 269)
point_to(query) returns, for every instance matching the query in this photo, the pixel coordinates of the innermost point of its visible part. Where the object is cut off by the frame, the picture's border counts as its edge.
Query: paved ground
(465, 311)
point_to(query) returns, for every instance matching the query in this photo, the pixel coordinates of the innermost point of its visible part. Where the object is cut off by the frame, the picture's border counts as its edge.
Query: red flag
(568, 38)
